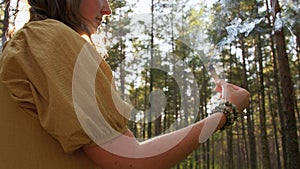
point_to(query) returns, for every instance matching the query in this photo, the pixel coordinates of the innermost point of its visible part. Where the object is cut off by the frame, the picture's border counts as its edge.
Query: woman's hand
(234, 94)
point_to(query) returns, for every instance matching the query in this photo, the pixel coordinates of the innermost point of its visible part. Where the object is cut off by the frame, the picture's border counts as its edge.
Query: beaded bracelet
(230, 112)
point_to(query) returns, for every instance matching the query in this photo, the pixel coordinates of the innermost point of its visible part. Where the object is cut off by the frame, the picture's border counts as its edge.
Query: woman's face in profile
(94, 11)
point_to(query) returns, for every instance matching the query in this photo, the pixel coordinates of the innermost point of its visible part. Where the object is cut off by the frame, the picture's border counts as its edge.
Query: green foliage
(236, 57)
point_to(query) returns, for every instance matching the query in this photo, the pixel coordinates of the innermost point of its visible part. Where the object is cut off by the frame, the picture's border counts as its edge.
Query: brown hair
(66, 11)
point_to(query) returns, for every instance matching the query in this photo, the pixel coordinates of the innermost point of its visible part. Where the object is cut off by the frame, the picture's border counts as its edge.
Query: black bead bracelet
(230, 112)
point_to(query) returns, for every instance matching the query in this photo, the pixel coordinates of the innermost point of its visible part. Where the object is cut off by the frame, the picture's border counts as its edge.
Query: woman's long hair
(66, 11)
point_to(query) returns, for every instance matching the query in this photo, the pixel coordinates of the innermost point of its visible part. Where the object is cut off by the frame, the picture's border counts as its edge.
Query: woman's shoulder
(44, 36)
(43, 40)
(48, 24)
(48, 28)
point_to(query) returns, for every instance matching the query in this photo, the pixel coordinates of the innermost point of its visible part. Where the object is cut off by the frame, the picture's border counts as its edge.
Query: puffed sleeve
(55, 74)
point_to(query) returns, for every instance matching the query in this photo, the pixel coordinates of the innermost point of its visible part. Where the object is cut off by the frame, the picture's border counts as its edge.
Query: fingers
(234, 94)
(228, 86)
(218, 87)
(240, 98)
(234, 86)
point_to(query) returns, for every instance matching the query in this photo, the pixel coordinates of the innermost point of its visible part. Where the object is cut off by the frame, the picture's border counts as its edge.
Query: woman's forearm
(161, 152)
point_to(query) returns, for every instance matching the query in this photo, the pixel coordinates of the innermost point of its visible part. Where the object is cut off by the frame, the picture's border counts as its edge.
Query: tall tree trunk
(205, 98)
(298, 55)
(263, 122)
(213, 153)
(229, 131)
(229, 148)
(151, 65)
(287, 90)
(122, 68)
(273, 116)
(250, 119)
(277, 91)
(136, 130)
(245, 144)
(203, 110)
(145, 125)
(243, 149)
(240, 154)
(5, 21)
(297, 33)
(263, 125)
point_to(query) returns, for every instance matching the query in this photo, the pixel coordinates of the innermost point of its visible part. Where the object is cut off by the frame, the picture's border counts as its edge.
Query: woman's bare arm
(125, 152)
(144, 155)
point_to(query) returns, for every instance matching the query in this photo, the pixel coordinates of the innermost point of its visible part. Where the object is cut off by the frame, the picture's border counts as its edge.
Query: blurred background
(166, 46)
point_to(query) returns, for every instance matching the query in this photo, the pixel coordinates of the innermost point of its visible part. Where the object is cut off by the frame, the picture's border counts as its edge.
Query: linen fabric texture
(37, 66)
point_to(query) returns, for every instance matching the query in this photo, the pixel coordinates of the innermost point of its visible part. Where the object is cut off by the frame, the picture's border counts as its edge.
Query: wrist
(230, 112)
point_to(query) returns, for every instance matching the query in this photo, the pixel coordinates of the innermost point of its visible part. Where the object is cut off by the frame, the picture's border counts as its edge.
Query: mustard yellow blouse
(58, 77)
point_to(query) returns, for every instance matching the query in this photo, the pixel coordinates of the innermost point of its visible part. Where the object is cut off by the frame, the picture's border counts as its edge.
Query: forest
(169, 55)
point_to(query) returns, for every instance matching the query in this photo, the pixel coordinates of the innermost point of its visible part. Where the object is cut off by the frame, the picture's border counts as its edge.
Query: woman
(39, 67)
